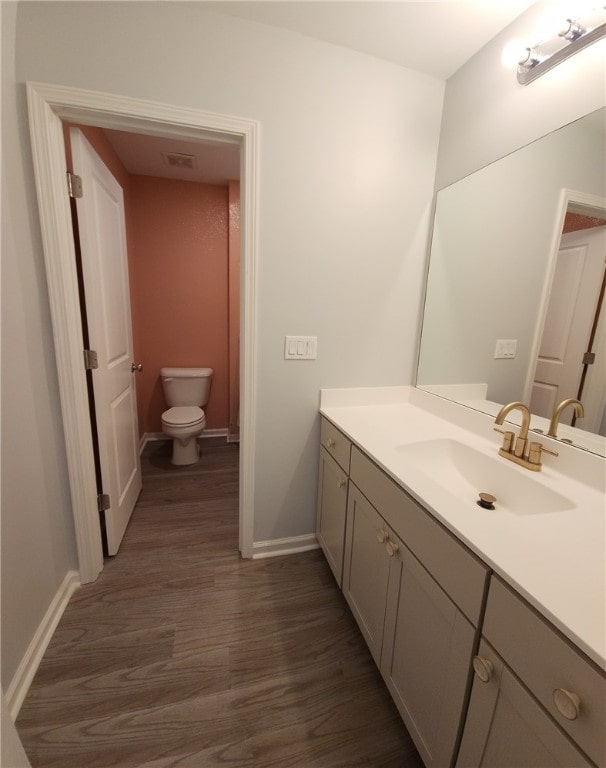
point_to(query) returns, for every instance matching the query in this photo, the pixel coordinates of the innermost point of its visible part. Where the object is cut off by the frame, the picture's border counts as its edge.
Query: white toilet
(186, 391)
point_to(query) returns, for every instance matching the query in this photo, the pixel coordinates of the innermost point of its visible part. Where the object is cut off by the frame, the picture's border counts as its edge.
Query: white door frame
(48, 106)
(577, 202)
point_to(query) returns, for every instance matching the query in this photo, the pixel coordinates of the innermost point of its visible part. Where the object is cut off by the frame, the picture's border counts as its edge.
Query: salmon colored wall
(179, 284)
(575, 221)
(178, 246)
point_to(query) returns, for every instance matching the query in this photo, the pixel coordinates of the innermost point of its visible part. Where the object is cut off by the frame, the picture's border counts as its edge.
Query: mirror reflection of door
(571, 358)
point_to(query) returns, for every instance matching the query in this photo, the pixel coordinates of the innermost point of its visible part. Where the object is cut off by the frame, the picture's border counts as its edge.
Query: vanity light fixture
(574, 35)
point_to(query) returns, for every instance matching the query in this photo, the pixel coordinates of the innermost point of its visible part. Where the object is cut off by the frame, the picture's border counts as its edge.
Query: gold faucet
(515, 449)
(578, 409)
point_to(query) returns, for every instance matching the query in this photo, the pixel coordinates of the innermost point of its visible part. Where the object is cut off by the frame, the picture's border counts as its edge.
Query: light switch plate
(505, 348)
(300, 347)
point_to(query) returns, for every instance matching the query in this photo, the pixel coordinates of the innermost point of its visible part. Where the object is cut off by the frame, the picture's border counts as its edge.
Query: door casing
(48, 105)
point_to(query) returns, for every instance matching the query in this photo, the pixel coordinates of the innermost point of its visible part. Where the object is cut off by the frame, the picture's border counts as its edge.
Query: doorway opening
(570, 362)
(48, 106)
(176, 207)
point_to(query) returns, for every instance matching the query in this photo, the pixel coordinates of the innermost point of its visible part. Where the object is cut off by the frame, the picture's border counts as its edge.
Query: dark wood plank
(183, 655)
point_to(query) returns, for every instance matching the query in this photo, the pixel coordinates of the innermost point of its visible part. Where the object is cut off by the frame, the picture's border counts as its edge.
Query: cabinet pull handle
(567, 703)
(382, 536)
(391, 547)
(330, 443)
(341, 482)
(483, 668)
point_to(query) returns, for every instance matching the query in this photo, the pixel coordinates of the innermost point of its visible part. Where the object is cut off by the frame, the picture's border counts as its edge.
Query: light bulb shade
(571, 30)
(530, 58)
(514, 53)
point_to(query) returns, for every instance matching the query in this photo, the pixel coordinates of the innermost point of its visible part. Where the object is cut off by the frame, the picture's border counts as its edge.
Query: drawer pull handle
(482, 668)
(330, 443)
(567, 703)
(382, 536)
(391, 547)
(341, 482)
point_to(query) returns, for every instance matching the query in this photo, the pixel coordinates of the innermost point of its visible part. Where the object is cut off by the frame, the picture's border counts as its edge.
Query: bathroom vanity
(488, 626)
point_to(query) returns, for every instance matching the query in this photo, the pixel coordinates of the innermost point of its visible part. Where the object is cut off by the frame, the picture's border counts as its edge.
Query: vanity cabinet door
(427, 652)
(506, 726)
(366, 569)
(331, 511)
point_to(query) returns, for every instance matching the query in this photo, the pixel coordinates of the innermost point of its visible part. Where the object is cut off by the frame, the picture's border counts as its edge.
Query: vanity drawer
(459, 572)
(547, 662)
(337, 445)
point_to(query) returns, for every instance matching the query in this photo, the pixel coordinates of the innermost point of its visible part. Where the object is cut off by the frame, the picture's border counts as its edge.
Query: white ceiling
(431, 37)
(215, 163)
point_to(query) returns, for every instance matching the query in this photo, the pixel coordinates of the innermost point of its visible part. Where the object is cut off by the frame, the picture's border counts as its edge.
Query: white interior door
(594, 389)
(105, 268)
(572, 306)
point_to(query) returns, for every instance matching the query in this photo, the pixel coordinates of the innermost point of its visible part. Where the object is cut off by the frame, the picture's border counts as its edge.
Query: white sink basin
(465, 472)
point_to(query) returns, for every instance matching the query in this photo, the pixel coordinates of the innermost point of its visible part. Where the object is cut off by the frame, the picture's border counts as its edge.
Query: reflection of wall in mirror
(494, 233)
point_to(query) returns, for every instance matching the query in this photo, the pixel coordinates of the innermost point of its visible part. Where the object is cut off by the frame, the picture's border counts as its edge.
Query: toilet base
(184, 454)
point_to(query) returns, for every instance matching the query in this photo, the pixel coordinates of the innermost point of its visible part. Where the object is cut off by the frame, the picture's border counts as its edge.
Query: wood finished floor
(183, 655)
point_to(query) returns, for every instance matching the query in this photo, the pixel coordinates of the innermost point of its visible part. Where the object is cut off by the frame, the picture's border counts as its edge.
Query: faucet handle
(507, 439)
(548, 450)
(535, 451)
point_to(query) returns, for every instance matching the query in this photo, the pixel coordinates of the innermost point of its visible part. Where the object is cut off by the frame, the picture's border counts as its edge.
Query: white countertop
(556, 560)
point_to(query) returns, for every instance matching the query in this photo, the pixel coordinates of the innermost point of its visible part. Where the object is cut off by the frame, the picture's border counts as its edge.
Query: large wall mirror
(513, 308)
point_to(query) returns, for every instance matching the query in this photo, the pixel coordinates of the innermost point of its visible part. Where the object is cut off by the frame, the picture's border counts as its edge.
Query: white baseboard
(287, 546)
(149, 437)
(19, 686)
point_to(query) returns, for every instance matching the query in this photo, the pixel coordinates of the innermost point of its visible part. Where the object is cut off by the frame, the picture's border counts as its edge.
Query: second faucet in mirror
(578, 410)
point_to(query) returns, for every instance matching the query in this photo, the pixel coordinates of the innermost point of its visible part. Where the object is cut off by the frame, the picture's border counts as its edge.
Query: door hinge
(90, 360)
(103, 502)
(589, 358)
(74, 185)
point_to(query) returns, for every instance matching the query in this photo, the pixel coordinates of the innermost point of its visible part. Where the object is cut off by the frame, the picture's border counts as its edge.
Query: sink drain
(486, 501)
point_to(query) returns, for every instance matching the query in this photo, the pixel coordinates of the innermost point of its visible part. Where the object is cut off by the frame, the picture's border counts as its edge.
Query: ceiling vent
(179, 160)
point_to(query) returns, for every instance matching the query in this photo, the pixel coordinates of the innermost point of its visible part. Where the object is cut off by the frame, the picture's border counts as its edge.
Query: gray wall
(347, 170)
(37, 526)
(11, 749)
(348, 152)
(487, 114)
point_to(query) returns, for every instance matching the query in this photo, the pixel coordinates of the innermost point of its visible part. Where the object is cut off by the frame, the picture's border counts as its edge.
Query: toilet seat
(183, 416)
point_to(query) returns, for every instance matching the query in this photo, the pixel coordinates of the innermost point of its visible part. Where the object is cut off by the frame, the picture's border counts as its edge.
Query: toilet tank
(186, 386)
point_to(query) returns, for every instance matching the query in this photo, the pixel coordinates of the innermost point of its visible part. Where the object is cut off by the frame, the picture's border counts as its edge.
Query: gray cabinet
(420, 639)
(427, 649)
(538, 681)
(507, 727)
(366, 572)
(331, 511)
(421, 600)
(332, 496)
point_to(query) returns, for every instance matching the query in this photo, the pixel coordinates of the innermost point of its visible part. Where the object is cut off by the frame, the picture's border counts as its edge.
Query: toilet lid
(182, 415)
